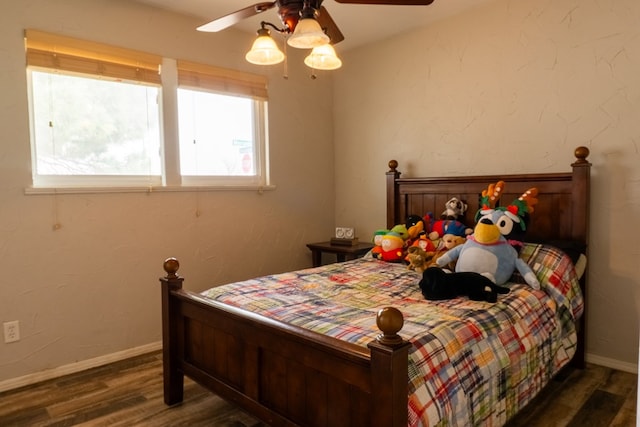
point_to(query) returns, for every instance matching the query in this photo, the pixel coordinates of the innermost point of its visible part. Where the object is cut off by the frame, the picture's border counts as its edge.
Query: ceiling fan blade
(389, 2)
(235, 17)
(329, 26)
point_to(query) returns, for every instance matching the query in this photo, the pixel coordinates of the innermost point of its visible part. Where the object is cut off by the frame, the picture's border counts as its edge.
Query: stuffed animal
(454, 209)
(490, 198)
(448, 241)
(436, 284)
(424, 243)
(487, 251)
(449, 222)
(517, 213)
(415, 227)
(448, 226)
(392, 247)
(417, 259)
(401, 229)
(377, 242)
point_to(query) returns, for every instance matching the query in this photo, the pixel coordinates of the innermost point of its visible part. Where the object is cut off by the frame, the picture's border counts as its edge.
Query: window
(221, 125)
(96, 114)
(86, 127)
(216, 135)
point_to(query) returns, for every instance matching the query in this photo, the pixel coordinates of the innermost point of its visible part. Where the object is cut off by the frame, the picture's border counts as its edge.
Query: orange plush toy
(424, 243)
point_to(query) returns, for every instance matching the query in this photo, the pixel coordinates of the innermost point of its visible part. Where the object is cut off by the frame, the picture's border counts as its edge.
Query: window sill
(148, 189)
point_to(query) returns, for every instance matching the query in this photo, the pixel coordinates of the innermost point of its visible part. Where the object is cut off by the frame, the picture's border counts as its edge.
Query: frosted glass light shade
(323, 58)
(307, 35)
(264, 50)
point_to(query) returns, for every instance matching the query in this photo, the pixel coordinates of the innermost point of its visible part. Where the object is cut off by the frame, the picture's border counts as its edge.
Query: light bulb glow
(308, 35)
(264, 51)
(323, 58)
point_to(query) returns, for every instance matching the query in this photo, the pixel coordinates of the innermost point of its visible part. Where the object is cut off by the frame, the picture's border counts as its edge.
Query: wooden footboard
(283, 374)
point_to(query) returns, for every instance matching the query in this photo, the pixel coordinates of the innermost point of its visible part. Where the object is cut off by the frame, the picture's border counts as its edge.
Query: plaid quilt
(471, 363)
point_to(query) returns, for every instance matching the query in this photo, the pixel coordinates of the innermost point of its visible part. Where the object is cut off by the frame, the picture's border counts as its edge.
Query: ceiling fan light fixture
(308, 34)
(264, 50)
(323, 58)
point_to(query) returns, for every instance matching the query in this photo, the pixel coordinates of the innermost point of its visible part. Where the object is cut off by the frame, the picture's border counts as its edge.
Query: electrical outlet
(11, 331)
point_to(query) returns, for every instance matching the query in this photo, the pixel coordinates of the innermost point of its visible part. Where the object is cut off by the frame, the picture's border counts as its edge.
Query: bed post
(389, 370)
(580, 233)
(392, 194)
(580, 195)
(172, 374)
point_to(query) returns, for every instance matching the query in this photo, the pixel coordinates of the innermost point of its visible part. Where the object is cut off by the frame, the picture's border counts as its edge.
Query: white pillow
(581, 265)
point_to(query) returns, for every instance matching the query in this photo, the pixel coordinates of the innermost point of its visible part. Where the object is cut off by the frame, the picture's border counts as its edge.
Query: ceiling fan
(315, 28)
(290, 12)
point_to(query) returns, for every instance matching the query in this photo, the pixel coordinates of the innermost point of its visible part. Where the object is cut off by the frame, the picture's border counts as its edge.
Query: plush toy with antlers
(517, 213)
(488, 251)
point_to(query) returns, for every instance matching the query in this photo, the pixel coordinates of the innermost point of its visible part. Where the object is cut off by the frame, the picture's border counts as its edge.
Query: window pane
(86, 126)
(216, 134)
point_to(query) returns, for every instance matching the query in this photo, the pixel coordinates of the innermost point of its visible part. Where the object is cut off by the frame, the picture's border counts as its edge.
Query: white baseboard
(83, 365)
(612, 363)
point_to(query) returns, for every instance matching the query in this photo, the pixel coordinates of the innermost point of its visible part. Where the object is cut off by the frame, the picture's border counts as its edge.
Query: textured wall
(90, 288)
(511, 86)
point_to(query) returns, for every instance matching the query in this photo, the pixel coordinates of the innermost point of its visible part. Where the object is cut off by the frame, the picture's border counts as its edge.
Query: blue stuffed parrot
(487, 251)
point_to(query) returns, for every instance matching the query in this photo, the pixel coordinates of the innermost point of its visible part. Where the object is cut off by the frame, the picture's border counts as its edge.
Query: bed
(290, 367)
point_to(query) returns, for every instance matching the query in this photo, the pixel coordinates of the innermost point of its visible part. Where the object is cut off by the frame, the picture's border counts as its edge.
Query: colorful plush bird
(488, 251)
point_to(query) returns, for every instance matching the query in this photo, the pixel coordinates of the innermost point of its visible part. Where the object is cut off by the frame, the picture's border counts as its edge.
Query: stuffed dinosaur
(487, 251)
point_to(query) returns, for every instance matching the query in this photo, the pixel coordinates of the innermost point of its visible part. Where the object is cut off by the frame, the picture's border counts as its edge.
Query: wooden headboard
(561, 216)
(562, 213)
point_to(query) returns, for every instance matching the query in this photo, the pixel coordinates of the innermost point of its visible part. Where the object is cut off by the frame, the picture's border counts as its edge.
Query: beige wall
(90, 288)
(513, 86)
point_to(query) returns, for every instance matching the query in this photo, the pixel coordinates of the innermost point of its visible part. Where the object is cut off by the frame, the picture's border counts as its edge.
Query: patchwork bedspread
(471, 363)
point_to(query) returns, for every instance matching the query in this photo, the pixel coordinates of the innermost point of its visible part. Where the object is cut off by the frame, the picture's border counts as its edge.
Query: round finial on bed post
(389, 321)
(393, 166)
(581, 154)
(171, 266)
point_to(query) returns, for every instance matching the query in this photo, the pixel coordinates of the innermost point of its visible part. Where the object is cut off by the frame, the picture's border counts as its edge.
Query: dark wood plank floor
(129, 393)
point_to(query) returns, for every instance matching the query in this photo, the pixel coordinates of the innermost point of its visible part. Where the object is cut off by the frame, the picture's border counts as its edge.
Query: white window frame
(83, 181)
(261, 175)
(224, 81)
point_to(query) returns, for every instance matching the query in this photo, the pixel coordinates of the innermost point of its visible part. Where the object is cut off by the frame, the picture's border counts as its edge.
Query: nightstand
(342, 252)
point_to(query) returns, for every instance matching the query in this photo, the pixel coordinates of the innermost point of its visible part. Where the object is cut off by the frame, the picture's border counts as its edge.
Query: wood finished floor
(129, 393)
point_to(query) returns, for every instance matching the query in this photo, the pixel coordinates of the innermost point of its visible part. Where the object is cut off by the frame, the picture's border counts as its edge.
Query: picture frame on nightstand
(344, 236)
